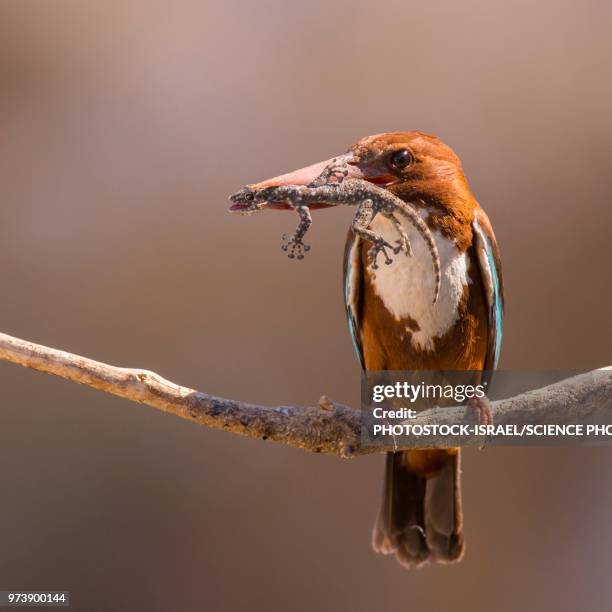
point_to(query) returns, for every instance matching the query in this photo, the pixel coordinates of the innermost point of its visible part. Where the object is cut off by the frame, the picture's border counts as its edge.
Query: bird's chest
(406, 287)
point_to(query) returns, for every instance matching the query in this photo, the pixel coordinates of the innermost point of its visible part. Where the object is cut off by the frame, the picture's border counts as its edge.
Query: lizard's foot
(333, 174)
(403, 242)
(379, 246)
(295, 247)
(403, 245)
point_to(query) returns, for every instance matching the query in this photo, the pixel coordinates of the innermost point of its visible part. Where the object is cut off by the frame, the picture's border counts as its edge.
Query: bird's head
(410, 164)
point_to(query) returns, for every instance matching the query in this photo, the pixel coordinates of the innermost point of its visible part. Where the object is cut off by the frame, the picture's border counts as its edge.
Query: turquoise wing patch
(491, 277)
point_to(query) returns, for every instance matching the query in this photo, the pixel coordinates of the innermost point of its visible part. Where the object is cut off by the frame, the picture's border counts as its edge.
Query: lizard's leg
(294, 243)
(403, 242)
(363, 217)
(411, 214)
(333, 174)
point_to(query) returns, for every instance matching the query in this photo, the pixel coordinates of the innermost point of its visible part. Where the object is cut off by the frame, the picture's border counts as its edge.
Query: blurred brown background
(124, 125)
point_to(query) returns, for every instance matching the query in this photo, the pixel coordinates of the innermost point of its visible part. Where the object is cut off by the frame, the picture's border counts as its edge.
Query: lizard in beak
(413, 202)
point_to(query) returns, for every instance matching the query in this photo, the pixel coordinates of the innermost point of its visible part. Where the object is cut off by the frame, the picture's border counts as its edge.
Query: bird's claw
(295, 247)
(380, 246)
(480, 409)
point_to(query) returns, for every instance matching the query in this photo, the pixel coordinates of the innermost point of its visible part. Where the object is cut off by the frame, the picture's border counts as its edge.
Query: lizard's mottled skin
(331, 188)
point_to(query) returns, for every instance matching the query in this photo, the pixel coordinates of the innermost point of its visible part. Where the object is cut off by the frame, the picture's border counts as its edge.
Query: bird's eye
(249, 196)
(400, 159)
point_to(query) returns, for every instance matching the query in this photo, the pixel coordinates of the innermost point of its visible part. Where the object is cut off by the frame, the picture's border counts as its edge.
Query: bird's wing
(352, 290)
(489, 263)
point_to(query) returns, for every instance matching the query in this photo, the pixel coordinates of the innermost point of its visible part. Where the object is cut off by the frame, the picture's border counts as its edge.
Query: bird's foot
(379, 246)
(294, 246)
(333, 174)
(480, 409)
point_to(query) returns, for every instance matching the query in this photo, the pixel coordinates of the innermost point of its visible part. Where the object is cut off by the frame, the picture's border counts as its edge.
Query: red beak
(305, 176)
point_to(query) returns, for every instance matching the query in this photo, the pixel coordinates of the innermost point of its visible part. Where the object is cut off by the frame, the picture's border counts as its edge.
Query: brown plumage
(421, 517)
(393, 322)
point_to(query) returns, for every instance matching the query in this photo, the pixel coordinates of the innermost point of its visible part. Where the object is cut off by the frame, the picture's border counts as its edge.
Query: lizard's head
(407, 163)
(248, 200)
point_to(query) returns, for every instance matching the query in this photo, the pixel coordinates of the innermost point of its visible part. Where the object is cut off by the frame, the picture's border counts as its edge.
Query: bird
(395, 325)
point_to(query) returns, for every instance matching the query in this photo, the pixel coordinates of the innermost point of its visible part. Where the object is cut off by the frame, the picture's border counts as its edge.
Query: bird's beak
(305, 176)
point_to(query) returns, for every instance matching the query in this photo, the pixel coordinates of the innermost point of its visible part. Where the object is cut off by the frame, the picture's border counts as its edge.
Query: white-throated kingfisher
(395, 324)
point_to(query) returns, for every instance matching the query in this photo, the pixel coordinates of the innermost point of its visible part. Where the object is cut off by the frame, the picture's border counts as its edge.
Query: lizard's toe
(294, 247)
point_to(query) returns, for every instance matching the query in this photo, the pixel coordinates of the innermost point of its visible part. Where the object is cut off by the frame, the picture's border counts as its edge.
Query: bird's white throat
(406, 287)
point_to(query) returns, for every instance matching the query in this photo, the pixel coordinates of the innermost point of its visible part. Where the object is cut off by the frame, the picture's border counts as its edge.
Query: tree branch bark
(328, 427)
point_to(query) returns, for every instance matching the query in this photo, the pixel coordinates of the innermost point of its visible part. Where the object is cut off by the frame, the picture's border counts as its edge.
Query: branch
(328, 427)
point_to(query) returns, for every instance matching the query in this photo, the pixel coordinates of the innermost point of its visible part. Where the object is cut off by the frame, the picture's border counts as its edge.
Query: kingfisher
(395, 324)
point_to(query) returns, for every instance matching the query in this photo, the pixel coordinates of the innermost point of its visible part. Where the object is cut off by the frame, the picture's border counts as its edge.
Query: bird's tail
(420, 519)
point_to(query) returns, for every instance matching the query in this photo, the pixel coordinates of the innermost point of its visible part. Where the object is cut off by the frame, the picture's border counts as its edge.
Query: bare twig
(328, 427)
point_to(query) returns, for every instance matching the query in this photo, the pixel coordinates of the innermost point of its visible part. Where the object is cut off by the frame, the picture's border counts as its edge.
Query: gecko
(332, 187)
